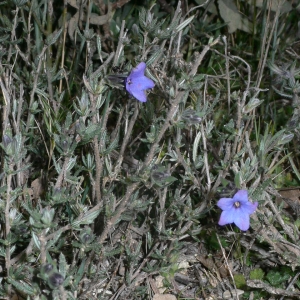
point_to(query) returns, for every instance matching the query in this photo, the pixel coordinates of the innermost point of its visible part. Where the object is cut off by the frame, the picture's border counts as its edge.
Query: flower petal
(241, 196)
(226, 217)
(141, 83)
(139, 95)
(137, 82)
(242, 220)
(136, 87)
(138, 71)
(249, 207)
(226, 203)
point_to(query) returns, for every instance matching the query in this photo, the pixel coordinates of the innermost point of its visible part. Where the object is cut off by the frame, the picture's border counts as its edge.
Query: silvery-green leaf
(53, 37)
(184, 23)
(88, 218)
(36, 240)
(87, 85)
(62, 265)
(47, 216)
(22, 286)
(253, 103)
(71, 163)
(286, 138)
(4, 38)
(195, 146)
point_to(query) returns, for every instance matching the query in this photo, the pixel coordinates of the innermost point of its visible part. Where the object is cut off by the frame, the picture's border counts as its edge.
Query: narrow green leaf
(22, 286)
(62, 265)
(36, 240)
(53, 37)
(184, 23)
(195, 146)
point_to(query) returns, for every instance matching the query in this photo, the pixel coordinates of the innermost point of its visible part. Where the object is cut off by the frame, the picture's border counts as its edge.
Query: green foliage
(276, 278)
(101, 194)
(213, 243)
(257, 295)
(257, 274)
(239, 280)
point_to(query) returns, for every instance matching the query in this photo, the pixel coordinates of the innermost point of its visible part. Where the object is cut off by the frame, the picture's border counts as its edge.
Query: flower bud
(47, 268)
(6, 140)
(190, 116)
(86, 237)
(55, 280)
(46, 271)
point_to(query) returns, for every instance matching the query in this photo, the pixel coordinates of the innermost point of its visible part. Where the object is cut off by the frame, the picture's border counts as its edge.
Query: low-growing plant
(122, 128)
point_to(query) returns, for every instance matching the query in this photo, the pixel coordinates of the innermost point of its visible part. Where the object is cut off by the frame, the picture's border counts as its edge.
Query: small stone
(226, 295)
(159, 281)
(164, 297)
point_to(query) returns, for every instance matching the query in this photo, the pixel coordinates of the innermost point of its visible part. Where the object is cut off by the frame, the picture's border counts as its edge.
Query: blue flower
(237, 210)
(136, 83)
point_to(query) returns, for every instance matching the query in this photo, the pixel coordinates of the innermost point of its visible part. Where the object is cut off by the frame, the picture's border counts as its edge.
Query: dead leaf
(291, 193)
(209, 263)
(95, 19)
(159, 284)
(37, 188)
(73, 25)
(28, 193)
(232, 16)
(291, 198)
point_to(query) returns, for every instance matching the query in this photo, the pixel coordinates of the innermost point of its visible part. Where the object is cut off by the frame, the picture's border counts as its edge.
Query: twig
(43, 243)
(34, 87)
(128, 133)
(291, 283)
(264, 54)
(240, 105)
(62, 174)
(7, 223)
(205, 158)
(120, 44)
(227, 72)
(136, 273)
(228, 267)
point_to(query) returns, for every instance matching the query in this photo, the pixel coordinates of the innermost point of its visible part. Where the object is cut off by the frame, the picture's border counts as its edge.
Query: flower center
(237, 204)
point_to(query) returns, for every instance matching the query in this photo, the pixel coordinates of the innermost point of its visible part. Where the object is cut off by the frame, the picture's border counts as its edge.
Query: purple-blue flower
(136, 83)
(237, 210)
